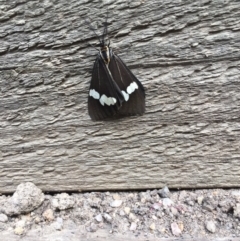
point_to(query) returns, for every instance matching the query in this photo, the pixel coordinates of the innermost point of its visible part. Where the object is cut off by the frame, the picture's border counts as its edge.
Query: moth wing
(134, 94)
(105, 98)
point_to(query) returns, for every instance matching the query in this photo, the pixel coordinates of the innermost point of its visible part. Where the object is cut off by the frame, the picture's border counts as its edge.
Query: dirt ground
(211, 214)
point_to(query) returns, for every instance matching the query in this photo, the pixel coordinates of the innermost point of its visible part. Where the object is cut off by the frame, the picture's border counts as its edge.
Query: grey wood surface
(186, 54)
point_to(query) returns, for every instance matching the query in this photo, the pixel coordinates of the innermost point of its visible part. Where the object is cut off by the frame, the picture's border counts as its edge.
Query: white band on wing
(107, 100)
(104, 99)
(111, 100)
(132, 87)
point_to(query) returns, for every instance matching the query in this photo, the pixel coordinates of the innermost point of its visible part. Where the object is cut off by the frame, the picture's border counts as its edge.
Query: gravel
(160, 213)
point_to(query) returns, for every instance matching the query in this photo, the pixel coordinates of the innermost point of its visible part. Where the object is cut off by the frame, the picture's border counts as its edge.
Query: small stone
(210, 226)
(181, 226)
(154, 217)
(209, 204)
(164, 192)
(93, 227)
(226, 206)
(21, 223)
(133, 226)
(174, 211)
(62, 201)
(236, 211)
(121, 213)
(162, 229)
(167, 202)
(116, 203)
(37, 220)
(99, 218)
(152, 226)
(132, 217)
(154, 192)
(116, 196)
(107, 217)
(3, 218)
(236, 193)
(48, 215)
(190, 202)
(182, 195)
(175, 229)
(58, 224)
(19, 230)
(127, 210)
(200, 200)
(25, 199)
(156, 206)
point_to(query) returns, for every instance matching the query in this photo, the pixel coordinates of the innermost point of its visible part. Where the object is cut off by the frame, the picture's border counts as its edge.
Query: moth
(114, 90)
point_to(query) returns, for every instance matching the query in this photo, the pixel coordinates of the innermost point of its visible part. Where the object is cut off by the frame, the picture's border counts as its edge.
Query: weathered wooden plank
(185, 53)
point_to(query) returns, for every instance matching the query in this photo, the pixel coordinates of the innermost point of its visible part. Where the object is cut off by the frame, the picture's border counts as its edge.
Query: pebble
(19, 230)
(181, 226)
(236, 193)
(164, 192)
(167, 202)
(156, 206)
(37, 220)
(93, 227)
(174, 211)
(121, 213)
(132, 217)
(116, 196)
(107, 217)
(154, 192)
(208, 204)
(200, 199)
(20, 223)
(116, 203)
(3, 218)
(48, 215)
(25, 199)
(154, 217)
(210, 226)
(175, 229)
(99, 218)
(152, 226)
(162, 229)
(19, 227)
(236, 211)
(62, 201)
(127, 210)
(182, 195)
(58, 224)
(226, 206)
(133, 226)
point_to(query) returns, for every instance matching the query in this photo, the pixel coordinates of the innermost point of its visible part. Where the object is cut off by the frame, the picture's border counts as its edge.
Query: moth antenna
(93, 46)
(105, 30)
(91, 27)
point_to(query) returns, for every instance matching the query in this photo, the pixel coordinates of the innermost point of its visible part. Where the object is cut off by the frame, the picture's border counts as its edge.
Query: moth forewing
(114, 89)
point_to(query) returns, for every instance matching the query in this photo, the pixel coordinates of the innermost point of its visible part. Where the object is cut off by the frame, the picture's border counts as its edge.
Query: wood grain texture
(185, 53)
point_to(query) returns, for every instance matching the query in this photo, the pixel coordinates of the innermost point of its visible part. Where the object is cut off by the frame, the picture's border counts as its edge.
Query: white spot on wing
(107, 100)
(132, 87)
(125, 95)
(94, 94)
